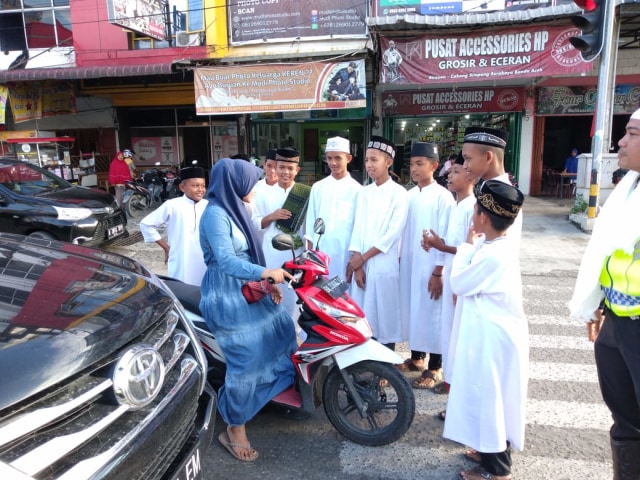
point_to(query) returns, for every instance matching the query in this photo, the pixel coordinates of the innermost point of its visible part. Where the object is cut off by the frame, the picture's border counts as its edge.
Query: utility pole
(602, 27)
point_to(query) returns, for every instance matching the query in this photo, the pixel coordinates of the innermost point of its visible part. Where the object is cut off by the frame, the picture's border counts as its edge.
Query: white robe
(335, 202)
(381, 212)
(266, 201)
(459, 224)
(262, 183)
(490, 349)
(428, 208)
(181, 216)
(514, 232)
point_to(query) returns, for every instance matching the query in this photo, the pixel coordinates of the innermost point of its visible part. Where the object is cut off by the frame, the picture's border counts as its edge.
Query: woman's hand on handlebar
(277, 275)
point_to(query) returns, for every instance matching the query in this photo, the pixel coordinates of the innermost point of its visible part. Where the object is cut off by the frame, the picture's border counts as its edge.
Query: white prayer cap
(636, 115)
(338, 144)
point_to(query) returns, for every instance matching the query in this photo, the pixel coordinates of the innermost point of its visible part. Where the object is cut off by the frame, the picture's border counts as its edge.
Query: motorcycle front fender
(369, 350)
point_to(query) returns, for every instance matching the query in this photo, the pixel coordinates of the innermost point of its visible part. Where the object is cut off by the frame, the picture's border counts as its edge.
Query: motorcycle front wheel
(388, 397)
(136, 206)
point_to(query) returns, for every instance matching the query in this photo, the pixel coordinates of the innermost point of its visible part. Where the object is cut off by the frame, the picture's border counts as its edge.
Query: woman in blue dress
(257, 339)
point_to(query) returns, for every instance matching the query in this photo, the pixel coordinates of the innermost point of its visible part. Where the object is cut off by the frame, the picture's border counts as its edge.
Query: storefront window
(35, 24)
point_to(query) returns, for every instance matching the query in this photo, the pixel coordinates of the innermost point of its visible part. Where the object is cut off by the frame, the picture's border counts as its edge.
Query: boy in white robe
(268, 210)
(486, 405)
(373, 270)
(269, 180)
(462, 186)
(429, 207)
(483, 152)
(181, 215)
(334, 200)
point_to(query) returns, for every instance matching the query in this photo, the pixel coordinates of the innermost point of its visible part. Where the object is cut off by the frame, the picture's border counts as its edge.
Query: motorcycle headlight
(348, 318)
(72, 213)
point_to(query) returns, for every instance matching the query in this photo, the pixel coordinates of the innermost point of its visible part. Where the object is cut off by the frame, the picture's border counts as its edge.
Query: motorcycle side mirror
(318, 229)
(282, 242)
(319, 226)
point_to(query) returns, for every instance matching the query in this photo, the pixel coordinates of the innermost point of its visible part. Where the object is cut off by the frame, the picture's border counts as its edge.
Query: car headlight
(348, 318)
(72, 213)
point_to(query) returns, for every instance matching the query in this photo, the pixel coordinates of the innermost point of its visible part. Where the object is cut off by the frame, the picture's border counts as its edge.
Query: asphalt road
(567, 422)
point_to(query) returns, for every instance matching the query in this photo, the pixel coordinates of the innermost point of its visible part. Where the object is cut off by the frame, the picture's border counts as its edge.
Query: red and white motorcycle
(339, 364)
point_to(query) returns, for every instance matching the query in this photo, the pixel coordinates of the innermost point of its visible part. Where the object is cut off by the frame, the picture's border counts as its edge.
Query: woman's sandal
(226, 443)
(479, 473)
(428, 379)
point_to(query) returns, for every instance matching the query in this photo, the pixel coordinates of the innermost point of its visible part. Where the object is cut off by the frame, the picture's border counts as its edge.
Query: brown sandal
(428, 379)
(472, 455)
(409, 366)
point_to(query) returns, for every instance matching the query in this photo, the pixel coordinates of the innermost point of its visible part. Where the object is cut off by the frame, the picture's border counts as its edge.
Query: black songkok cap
(486, 136)
(499, 198)
(459, 159)
(191, 172)
(271, 154)
(423, 149)
(288, 154)
(382, 144)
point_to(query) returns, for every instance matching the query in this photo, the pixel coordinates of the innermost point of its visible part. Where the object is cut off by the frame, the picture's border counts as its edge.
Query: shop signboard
(267, 20)
(151, 150)
(582, 100)
(505, 54)
(145, 17)
(440, 7)
(458, 101)
(279, 87)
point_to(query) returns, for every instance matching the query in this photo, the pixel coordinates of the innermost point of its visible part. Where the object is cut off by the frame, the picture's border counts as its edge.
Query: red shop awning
(84, 72)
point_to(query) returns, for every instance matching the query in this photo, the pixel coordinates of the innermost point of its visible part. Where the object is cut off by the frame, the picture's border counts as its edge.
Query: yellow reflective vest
(620, 281)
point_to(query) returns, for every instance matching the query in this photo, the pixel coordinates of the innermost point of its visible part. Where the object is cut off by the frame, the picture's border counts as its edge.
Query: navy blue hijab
(231, 180)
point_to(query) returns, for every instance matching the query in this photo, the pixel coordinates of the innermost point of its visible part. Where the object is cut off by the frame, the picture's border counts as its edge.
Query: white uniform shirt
(181, 216)
(381, 212)
(335, 202)
(428, 208)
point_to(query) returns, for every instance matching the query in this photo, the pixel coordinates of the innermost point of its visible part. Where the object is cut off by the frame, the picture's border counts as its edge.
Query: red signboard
(502, 54)
(461, 100)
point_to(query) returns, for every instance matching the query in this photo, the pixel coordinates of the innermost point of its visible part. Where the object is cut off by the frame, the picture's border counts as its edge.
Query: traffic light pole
(604, 100)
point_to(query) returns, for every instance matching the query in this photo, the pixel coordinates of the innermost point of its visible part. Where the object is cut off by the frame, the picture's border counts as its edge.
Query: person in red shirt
(119, 173)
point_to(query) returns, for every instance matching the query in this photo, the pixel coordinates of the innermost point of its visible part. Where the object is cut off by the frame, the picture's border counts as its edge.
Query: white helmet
(127, 153)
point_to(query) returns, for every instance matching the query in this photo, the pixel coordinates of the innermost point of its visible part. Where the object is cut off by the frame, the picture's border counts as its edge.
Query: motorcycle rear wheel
(389, 398)
(136, 206)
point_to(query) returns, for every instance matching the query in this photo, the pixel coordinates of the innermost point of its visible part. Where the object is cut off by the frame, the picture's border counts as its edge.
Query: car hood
(64, 308)
(79, 197)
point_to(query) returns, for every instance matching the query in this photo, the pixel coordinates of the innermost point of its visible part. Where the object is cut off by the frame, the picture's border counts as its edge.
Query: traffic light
(591, 22)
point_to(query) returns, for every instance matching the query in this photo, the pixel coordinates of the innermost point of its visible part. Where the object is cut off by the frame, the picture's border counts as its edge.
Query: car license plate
(190, 468)
(113, 231)
(335, 287)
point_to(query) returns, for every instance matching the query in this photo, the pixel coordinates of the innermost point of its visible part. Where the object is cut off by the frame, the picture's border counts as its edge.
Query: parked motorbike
(339, 364)
(152, 189)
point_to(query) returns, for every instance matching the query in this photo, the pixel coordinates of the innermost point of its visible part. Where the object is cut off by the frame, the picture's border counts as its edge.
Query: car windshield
(28, 179)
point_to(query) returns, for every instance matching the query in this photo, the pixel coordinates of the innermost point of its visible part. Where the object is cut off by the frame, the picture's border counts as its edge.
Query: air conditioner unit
(186, 39)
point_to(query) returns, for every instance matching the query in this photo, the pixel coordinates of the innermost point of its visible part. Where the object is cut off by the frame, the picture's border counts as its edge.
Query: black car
(101, 374)
(35, 202)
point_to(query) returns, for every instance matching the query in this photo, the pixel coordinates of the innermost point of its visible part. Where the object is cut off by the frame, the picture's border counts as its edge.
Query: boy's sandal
(472, 455)
(409, 366)
(441, 388)
(479, 473)
(428, 380)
